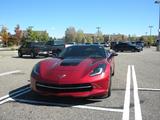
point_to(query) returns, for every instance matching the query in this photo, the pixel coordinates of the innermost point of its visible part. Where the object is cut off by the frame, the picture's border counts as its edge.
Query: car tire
(113, 73)
(33, 55)
(20, 54)
(133, 50)
(116, 50)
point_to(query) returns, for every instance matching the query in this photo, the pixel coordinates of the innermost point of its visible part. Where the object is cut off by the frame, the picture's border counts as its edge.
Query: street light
(158, 41)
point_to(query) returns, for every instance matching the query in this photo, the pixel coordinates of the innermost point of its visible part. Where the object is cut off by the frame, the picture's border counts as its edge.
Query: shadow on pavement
(25, 95)
(28, 57)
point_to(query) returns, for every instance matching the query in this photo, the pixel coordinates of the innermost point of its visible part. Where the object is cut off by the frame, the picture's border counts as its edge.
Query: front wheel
(133, 50)
(33, 55)
(20, 54)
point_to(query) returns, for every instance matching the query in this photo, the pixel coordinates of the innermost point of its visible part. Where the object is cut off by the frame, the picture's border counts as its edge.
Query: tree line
(21, 36)
(71, 35)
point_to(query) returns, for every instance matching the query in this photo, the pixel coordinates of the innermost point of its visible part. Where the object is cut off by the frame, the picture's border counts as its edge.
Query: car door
(23, 49)
(121, 47)
(29, 48)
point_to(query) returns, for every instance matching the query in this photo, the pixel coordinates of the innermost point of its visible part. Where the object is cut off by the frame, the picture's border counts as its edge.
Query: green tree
(30, 34)
(133, 38)
(100, 37)
(88, 39)
(80, 36)
(4, 34)
(70, 35)
(18, 34)
(36, 35)
(151, 40)
(44, 36)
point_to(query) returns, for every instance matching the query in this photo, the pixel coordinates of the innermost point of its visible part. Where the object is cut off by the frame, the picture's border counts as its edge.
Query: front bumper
(96, 88)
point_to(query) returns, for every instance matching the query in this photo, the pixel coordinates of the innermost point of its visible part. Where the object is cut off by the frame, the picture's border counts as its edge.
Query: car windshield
(38, 44)
(83, 52)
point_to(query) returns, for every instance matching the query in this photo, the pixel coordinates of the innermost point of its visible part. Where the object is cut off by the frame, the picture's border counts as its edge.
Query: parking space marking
(12, 94)
(148, 89)
(67, 105)
(7, 98)
(10, 72)
(137, 107)
(12, 97)
(127, 96)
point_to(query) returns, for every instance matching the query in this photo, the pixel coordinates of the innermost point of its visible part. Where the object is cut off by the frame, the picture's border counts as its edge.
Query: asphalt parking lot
(135, 92)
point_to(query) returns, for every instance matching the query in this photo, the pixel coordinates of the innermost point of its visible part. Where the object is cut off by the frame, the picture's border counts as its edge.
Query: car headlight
(98, 70)
(36, 69)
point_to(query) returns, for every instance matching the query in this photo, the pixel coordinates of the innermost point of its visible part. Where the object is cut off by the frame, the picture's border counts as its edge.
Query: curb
(8, 49)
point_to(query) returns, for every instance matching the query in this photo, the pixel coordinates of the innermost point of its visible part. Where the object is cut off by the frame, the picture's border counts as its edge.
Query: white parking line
(137, 107)
(14, 93)
(126, 107)
(148, 89)
(12, 97)
(11, 72)
(67, 105)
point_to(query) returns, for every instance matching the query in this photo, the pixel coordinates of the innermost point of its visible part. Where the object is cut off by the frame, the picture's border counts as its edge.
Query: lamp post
(158, 41)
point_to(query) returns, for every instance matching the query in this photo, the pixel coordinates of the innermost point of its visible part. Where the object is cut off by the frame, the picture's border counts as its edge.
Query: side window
(24, 45)
(28, 45)
(124, 45)
(121, 45)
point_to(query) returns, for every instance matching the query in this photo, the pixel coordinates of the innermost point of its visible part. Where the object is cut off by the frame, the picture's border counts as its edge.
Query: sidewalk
(8, 48)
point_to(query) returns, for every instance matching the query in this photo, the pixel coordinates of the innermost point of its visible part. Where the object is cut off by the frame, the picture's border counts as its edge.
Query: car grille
(63, 88)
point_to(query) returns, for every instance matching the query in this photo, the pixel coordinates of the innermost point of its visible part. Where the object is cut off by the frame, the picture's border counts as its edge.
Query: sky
(113, 16)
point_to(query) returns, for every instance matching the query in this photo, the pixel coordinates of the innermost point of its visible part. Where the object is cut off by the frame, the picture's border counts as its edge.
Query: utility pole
(98, 32)
(98, 29)
(150, 37)
(150, 28)
(158, 40)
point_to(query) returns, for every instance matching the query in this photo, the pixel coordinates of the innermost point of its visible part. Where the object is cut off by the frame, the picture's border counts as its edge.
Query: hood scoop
(70, 62)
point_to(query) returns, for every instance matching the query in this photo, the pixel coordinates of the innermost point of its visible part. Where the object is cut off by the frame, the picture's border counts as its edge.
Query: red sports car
(78, 71)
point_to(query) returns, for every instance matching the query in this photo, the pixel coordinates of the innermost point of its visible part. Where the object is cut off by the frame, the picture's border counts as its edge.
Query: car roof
(89, 45)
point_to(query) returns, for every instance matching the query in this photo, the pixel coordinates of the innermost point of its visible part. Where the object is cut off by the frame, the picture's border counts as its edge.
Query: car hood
(66, 71)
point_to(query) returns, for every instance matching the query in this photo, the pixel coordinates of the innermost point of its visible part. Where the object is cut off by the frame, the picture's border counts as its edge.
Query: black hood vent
(71, 62)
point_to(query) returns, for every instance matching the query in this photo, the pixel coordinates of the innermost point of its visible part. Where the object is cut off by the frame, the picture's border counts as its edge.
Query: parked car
(55, 48)
(112, 44)
(126, 46)
(79, 71)
(33, 49)
(140, 44)
(104, 44)
(70, 44)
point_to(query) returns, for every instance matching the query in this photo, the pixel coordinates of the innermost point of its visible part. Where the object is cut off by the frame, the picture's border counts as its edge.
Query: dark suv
(33, 49)
(126, 46)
